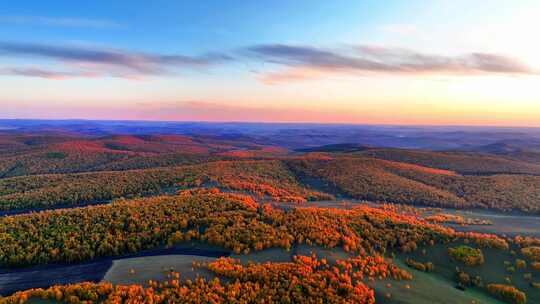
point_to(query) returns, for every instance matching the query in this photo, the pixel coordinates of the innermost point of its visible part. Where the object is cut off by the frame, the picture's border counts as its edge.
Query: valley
(147, 213)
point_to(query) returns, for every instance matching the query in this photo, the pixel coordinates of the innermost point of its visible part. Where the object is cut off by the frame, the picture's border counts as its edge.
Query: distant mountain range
(499, 140)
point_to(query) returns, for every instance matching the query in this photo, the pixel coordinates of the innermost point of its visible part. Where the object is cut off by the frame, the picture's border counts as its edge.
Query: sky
(367, 62)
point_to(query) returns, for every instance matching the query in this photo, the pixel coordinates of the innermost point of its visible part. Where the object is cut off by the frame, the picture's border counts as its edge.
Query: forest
(232, 221)
(293, 179)
(71, 200)
(229, 220)
(301, 281)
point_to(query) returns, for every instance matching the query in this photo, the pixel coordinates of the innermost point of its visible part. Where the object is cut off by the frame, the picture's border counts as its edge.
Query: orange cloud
(294, 74)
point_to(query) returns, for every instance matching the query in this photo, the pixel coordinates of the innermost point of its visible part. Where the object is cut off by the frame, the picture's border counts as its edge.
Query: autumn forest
(343, 224)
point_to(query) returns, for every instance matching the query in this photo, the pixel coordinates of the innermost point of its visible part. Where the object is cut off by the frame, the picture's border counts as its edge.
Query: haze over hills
(492, 176)
(299, 136)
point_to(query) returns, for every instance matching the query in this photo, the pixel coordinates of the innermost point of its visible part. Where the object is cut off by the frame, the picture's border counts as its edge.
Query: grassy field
(156, 268)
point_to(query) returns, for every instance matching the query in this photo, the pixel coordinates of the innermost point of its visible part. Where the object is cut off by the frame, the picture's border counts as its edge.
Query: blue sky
(197, 26)
(432, 62)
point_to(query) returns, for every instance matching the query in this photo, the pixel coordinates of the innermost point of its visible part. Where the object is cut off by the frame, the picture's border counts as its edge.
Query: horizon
(397, 63)
(270, 123)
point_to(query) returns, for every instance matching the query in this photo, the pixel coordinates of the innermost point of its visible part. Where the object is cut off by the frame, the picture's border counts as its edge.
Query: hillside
(290, 179)
(382, 180)
(366, 179)
(462, 162)
(73, 206)
(342, 148)
(269, 180)
(30, 155)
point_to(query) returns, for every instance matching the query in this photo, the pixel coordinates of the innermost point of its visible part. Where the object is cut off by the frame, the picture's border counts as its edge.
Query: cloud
(114, 62)
(293, 62)
(45, 73)
(291, 75)
(59, 22)
(404, 60)
(201, 110)
(311, 57)
(35, 72)
(305, 62)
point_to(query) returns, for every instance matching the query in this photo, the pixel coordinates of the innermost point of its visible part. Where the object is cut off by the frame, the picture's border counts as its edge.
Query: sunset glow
(366, 62)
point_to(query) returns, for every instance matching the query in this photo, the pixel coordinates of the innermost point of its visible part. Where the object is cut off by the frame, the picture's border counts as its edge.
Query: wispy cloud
(229, 111)
(44, 73)
(304, 62)
(293, 62)
(59, 22)
(114, 62)
(404, 60)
